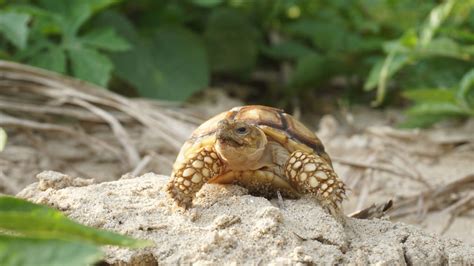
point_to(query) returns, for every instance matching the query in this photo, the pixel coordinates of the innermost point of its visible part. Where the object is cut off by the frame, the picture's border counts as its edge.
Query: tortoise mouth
(230, 141)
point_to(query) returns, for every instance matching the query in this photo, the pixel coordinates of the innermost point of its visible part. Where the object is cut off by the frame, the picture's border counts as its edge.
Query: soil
(229, 225)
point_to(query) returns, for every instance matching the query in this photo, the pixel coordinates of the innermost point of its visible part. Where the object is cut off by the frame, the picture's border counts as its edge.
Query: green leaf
(288, 50)
(231, 42)
(436, 108)
(106, 39)
(3, 138)
(73, 14)
(32, 220)
(384, 70)
(30, 251)
(437, 16)
(53, 59)
(466, 87)
(90, 65)
(430, 95)
(15, 27)
(173, 65)
(445, 47)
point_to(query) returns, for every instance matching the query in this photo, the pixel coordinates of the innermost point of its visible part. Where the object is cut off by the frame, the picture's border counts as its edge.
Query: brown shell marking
(264, 116)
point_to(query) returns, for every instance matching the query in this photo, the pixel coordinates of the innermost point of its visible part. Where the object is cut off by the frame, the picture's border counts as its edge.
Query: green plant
(172, 49)
(49, 35)
(445, 34)
(32, 234)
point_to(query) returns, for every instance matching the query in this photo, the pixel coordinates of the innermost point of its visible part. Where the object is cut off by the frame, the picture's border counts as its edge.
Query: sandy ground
(228, 225)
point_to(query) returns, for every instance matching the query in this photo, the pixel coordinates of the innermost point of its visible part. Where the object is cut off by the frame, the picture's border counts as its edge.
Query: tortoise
(261, 148)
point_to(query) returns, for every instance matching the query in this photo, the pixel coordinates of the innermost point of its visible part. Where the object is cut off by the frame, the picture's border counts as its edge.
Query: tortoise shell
(277, 125)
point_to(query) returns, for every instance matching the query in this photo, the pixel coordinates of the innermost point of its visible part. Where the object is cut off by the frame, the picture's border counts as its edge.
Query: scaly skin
(310, 173)
(190, 176)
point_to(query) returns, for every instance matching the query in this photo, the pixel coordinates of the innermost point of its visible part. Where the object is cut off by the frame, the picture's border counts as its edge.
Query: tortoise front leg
(188, 178)
(311, 173)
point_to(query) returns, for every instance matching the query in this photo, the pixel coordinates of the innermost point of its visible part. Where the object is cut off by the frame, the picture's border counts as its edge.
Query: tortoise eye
(241, 130)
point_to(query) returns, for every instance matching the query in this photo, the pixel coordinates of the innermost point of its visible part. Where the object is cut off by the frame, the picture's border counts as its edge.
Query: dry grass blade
(373, 211)
(117, 128)
(49, 102)
(379, 167)
(437, 198)
(7, 121)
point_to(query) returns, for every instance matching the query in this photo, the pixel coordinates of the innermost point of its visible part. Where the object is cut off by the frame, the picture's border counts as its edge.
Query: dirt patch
(229, 225)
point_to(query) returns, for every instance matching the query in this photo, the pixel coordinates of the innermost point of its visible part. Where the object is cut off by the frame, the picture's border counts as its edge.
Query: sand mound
(228, 225)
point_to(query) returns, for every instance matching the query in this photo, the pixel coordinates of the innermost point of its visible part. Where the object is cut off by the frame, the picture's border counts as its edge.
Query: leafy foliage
(56, 42)
(172, 49)
(451, 94)
(35, 234)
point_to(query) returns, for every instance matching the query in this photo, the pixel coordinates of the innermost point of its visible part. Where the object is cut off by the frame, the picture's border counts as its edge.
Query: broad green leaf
(33, 220)
(106, 39)
(14, 26)
(430, 95)
(436, 108)
(53, 59)
(172, 65)
(466, 87)
(73, 14)
(288, 50)
(231, 42)
(90, 65)
(45, 21)
(3, 138)
(31, 251)
(120, 24)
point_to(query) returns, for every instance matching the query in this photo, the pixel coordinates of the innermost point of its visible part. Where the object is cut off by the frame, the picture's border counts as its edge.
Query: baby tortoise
(261, 148)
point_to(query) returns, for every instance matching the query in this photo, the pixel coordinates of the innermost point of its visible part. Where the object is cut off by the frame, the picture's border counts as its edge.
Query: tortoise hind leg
(311, 173)
(188, 178)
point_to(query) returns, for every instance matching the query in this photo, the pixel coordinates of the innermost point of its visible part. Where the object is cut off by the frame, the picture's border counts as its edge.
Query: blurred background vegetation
(417, 54)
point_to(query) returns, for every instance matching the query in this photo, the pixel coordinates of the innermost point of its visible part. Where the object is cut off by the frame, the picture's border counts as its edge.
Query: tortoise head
(239, 143)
